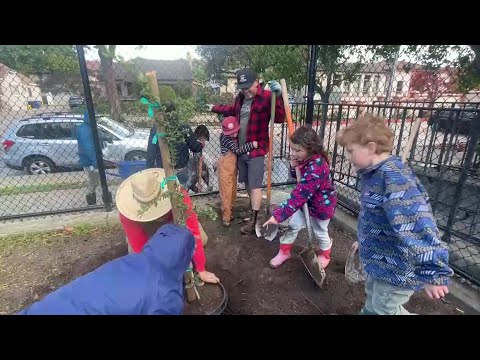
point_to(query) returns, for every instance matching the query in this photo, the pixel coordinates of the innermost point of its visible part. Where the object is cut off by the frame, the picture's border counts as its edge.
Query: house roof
(4, 70)
(178, 70)
(167, 70)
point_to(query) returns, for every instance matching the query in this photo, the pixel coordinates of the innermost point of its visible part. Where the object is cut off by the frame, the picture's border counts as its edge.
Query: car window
(114, 126)
(106, 135)
(58, 131)
(30, 131)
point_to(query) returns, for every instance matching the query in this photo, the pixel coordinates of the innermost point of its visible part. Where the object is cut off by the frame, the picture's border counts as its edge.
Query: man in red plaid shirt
(252, 110)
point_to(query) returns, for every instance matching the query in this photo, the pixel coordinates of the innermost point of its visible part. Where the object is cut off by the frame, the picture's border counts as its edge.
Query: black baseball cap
(245, 78)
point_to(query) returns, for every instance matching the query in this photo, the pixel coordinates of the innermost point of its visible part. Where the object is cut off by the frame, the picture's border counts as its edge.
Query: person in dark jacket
(194, 142)
(147, 283)
(191, 173)
(87, 158)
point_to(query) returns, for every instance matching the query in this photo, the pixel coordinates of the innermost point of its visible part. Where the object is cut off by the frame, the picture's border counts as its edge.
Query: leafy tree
(39, 59)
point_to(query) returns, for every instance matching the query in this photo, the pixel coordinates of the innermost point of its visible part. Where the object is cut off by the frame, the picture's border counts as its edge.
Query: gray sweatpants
(93, 180)
(298, 222)
(384, 298)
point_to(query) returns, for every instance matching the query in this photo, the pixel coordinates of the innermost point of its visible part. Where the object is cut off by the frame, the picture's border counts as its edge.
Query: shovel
(308, 254)
(270, 231)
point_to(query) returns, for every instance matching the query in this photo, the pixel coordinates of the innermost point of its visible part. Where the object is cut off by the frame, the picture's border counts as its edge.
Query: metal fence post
(106, 195)
(466, 168)
(312, 72)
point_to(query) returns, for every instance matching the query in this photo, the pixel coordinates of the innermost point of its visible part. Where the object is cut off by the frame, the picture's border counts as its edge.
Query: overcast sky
(156, 52)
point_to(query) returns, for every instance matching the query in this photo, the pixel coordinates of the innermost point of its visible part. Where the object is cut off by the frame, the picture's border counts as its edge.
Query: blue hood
(170, 248)
(86, 148)
(148, 283)
(86, 119)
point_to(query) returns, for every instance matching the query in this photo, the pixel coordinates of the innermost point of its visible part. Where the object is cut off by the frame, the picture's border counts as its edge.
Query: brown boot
(249, 228)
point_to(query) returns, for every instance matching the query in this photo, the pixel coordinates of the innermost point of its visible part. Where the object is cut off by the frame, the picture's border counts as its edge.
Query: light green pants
(384, 298)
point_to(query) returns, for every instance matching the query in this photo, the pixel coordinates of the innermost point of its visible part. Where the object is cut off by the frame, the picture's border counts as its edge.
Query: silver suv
(46, 142)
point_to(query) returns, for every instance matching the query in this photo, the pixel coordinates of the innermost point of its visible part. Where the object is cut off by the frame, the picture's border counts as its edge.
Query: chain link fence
(42, 102)
(445, 155)
(40, 91)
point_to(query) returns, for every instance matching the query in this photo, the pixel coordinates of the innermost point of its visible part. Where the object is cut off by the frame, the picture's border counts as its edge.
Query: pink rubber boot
(323, 257)
(282, 256)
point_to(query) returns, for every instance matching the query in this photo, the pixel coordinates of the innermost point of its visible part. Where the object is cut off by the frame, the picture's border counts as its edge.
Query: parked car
(75, 101)
(47, 142)
(443, 120)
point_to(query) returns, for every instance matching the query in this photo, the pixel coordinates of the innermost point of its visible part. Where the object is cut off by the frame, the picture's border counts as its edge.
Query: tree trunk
(111, 89)
(108, 73)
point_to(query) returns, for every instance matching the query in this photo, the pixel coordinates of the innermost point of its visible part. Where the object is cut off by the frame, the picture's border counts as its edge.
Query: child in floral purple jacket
(315, 188)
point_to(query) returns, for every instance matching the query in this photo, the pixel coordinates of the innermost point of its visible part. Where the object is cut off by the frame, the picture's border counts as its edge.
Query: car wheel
(136, 155)
(37, 165)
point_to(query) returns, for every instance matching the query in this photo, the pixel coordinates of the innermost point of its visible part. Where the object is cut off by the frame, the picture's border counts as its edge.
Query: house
(174, 73)
(16, 90)
(372, 83)
(231, 86)
(408, 84)
(58, 87)
(472, 96)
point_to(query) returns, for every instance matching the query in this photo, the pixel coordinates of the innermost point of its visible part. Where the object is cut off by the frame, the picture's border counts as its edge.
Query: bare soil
(30, 271)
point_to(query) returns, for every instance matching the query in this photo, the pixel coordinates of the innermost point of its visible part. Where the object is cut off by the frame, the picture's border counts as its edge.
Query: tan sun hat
(139, 197)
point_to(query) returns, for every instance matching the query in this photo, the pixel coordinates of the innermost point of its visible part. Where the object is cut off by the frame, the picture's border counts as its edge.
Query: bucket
(223, 304)
(128, 168)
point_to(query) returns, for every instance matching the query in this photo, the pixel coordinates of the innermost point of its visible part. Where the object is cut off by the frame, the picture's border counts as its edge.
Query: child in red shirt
(143, 210)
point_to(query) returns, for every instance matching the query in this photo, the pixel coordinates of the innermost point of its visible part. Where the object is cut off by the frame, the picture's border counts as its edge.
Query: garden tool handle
(270, 150)
(305, 207)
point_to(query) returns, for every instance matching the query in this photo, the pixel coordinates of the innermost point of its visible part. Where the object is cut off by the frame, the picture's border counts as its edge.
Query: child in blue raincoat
(147, 283)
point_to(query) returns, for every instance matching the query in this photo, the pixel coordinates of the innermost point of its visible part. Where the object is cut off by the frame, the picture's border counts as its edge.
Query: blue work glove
(274, 85)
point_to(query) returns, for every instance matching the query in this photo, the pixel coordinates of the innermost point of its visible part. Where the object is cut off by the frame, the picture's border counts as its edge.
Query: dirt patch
(242, 263)
(29, 272)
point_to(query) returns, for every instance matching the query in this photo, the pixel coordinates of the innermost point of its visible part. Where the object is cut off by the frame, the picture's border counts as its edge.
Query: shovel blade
(269, 232)
(309, 260)
(258, 229)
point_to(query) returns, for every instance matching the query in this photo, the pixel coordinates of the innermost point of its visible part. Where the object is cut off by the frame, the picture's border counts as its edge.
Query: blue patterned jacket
(398, 236)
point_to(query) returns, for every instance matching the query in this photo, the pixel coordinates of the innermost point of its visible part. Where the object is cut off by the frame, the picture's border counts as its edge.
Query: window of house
(376, 83)
(358, 83)
(337, 79)
(129, 88)
(119, 88)
(400, 86)
(366, 84)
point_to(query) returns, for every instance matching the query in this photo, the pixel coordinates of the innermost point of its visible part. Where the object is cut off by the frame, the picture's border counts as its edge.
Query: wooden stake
(169, 171)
